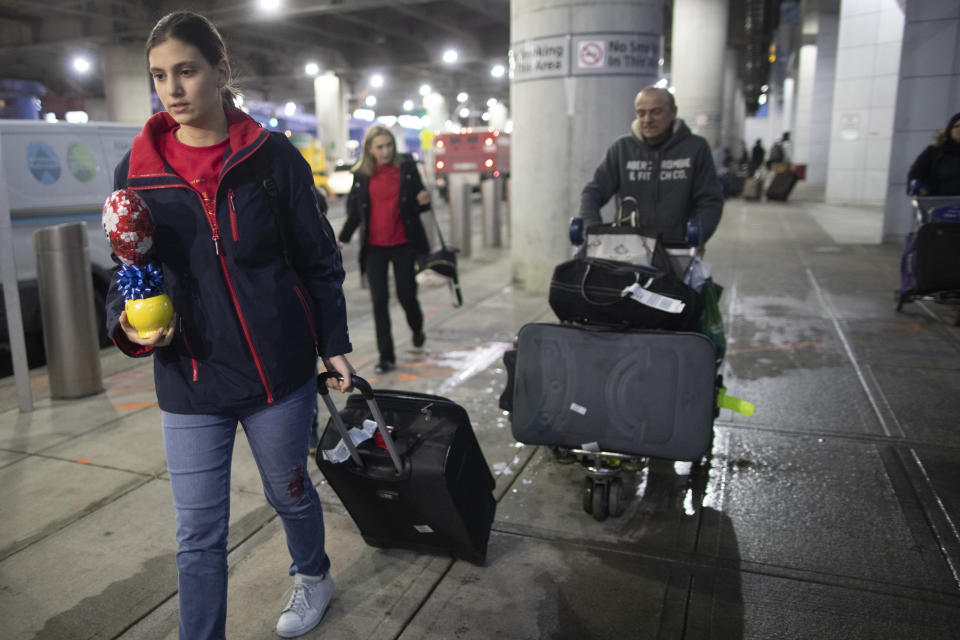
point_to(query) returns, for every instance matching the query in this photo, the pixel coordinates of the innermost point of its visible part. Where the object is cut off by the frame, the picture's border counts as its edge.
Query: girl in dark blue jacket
(257, 291)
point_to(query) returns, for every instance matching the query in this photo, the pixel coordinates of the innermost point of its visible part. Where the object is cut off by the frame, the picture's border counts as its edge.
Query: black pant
(376, 261)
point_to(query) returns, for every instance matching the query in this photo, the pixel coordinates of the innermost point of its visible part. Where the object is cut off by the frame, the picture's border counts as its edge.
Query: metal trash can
(65, 287)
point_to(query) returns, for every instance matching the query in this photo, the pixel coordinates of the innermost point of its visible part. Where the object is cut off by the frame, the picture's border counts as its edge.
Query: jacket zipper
(233, 216)
(215, 234)
(306, 312)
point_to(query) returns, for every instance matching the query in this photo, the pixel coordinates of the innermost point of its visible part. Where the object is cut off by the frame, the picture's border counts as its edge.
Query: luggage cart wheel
(615, 500)
(600, 503)
(588, 495)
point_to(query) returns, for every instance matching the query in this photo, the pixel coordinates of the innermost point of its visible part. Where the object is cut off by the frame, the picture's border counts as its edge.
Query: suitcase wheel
(600, 502)
(588, 495)
(615, 500)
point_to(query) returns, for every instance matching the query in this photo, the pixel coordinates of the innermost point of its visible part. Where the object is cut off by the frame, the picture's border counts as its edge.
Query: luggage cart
(930, 265)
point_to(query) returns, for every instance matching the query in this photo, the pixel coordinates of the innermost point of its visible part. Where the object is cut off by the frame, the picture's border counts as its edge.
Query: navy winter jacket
(250, 325)
(358, 208)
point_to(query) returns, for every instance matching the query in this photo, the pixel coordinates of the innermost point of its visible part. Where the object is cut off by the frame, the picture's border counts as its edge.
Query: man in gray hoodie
(664, 169)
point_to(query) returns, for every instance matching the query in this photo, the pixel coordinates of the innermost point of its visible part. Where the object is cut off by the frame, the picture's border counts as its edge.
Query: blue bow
(140, 281)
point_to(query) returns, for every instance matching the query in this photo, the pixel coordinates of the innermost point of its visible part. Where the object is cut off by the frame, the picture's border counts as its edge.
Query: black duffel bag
(591, 291)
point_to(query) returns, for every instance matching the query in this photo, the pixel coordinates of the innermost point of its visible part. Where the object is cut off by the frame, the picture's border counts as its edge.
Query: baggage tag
(341, 452)
(653, 300)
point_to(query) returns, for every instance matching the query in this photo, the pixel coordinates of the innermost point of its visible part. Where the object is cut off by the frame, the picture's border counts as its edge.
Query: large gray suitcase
(643, 393)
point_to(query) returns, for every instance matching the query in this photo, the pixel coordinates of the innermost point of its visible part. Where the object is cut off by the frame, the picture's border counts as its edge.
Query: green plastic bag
(711, 321)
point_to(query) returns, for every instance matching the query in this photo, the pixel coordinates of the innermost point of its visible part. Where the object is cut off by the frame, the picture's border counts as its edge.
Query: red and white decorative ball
(129, 227)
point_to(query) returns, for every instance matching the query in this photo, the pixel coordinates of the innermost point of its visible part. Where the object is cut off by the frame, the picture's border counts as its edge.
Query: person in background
(757, 155)
(666, 168)
(937, 168)
(249, 323)
(385, 202)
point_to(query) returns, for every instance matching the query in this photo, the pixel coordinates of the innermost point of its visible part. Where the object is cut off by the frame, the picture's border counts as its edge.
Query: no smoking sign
(591, 54)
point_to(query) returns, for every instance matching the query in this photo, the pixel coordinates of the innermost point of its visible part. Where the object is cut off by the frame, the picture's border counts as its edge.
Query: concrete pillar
(806, 72)
(729, 136)
(699, 46)
(499, 116)
(821, 108)
(806, 76)
(569, 58)
(331, 117)
(126, 84)
(436, 107)
(864, 98)
(927, 95)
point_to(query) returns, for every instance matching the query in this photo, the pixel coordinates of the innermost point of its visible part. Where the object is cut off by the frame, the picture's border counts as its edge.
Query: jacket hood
(245, 133)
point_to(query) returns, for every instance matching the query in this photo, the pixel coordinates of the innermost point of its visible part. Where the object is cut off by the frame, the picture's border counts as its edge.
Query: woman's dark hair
(196, 30)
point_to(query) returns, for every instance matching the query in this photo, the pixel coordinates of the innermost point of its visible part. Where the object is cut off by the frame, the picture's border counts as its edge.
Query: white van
(56, 173)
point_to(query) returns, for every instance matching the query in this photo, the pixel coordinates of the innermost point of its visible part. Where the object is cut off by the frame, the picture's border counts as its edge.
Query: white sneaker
(307, 604)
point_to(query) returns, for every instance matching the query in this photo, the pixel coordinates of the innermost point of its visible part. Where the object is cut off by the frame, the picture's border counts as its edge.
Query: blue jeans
(199, 452)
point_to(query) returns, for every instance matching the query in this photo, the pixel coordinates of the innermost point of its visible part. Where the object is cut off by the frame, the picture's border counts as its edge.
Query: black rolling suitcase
(781, 186)
(427, 487)
(643, 393)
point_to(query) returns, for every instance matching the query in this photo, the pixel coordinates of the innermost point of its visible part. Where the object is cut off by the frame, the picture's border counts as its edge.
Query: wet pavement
(832, 512)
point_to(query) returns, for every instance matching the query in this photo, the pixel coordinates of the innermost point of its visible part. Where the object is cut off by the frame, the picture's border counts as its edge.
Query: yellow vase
(149, 315)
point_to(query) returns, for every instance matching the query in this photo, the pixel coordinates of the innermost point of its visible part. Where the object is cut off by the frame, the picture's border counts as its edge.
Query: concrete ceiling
(401, 39)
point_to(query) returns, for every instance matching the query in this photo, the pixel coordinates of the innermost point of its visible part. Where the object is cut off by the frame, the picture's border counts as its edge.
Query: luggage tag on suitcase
(347, 437)
(654, 300)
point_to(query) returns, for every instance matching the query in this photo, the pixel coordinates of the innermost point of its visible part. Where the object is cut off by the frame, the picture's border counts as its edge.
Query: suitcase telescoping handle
(367, 391)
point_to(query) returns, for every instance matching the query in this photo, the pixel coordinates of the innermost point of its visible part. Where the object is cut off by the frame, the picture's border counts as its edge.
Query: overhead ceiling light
(425, 90)
(269, 6)
(450, 56)
(289, 109)
(408, 105)
(364, 114)
(498, 70)
(464, 113)
(81, 64)
(311, 68)
(370, 101)
(462, 96)
(376, 80)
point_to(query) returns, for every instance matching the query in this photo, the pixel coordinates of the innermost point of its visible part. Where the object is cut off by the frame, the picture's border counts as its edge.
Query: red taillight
(496, 174)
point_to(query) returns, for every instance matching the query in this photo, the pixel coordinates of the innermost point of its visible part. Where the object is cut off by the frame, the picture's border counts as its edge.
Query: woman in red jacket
(386, 201)
(255, 305)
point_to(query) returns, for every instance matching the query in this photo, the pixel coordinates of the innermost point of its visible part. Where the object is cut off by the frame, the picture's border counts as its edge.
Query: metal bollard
(70, 332)
(459, 191)
(490, 193)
